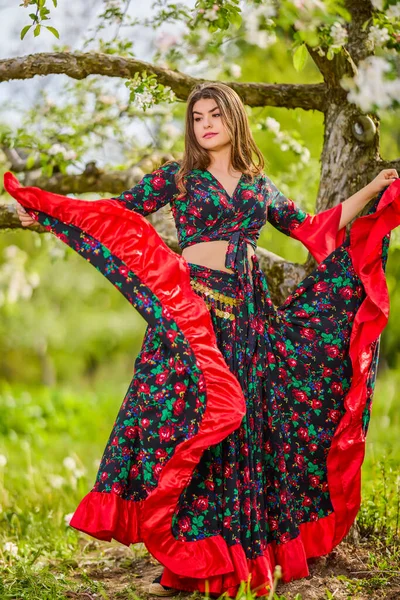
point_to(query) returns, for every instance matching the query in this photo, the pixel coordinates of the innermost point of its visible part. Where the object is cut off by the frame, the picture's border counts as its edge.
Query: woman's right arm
(153, 191)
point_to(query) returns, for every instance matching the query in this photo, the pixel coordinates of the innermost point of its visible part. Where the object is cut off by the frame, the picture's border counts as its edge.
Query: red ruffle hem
(107, 516)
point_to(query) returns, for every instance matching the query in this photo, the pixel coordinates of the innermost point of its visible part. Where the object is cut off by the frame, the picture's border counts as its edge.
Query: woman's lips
(207, 135)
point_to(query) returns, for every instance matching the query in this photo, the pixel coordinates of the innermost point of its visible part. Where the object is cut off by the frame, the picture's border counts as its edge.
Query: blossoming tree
(353, 43)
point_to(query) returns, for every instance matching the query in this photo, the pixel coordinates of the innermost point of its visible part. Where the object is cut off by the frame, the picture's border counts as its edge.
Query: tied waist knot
(253, 308)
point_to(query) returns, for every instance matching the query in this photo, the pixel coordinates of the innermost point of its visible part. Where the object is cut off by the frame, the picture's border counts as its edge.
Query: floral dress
(240, 440)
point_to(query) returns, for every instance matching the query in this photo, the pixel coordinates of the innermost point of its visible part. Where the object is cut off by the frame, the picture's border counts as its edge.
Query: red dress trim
(105, 515)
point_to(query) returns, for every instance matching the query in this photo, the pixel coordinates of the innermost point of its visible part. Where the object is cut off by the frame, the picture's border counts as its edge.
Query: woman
(240, 440)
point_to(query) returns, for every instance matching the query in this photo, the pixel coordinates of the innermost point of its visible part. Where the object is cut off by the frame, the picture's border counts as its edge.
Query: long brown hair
(235, 119)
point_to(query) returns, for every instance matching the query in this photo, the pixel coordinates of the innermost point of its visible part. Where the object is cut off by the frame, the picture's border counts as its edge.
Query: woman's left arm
(322, 233)
(353, 205)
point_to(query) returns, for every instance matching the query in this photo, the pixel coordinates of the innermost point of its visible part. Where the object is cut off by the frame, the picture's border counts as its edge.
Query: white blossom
(369, 87)
(67, 518)
(235, 70)
(378, 4)
(143, 99)
(69, 463)
(378, 35)
(210, 15)
(56, 481)
(11, 548)
(393, 11)
(253, 18)
(165, 41)
(339, 34)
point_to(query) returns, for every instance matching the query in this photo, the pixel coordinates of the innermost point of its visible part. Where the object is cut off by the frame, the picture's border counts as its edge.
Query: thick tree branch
(80, 65)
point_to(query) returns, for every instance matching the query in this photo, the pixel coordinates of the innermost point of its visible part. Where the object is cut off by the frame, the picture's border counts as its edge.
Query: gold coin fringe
(221, 299)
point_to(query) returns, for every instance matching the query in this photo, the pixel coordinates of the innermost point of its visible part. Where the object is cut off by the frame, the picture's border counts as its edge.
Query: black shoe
(156, 589)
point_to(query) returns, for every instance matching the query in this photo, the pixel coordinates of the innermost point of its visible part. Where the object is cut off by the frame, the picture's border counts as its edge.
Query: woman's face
(206, 120)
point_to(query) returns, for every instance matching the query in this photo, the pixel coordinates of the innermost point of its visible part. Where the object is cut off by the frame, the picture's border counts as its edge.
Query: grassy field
(50, 448)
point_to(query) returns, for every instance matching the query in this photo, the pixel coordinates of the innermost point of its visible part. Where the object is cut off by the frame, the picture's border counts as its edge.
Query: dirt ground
(125, 573)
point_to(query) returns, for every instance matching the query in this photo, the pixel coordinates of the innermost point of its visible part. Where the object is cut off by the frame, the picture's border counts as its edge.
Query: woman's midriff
(212, 254)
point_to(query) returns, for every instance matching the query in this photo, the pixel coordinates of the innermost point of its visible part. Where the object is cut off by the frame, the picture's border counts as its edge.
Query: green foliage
(42, 14)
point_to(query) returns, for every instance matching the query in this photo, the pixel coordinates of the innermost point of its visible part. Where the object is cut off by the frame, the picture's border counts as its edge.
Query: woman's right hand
(24, 217)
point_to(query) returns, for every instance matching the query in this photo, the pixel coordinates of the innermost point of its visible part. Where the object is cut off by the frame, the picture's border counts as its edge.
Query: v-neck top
(207, 213)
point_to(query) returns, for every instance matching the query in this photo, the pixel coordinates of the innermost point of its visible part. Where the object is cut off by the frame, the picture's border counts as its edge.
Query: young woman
(240, 440)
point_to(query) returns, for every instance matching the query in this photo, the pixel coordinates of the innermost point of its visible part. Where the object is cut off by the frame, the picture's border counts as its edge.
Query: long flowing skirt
(235, 448)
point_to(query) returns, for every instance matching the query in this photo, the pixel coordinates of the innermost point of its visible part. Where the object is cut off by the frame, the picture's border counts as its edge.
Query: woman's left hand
(383, 179)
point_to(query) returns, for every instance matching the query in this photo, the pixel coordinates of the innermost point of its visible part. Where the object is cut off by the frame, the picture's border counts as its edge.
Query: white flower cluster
(339, 35)
(393, 12)
(211, 14)
(11, 548)
(285, 141)
(15, 283)
(235, 70)
(60, 149)
(370, 88)
(252, 19)
(378, 36)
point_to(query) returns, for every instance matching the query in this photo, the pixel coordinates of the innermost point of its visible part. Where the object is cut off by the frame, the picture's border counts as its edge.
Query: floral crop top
(207, 212)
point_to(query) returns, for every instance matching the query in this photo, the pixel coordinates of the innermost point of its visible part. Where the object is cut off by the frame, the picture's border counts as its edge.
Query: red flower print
(178, 406)
(144, 388)
(300, 396)
(299, 460)
(131, 432)
(247, 194)
(282, 465)
(227, 470)
(268, 447)
(161, 377)
(104, 475)
(334, 415)
(302, 314)
(179, 388)
(316, 404)
(336, 387)
(227, 522)
(285, 537)
(273, 523)
(149, 205)
(314, 480)
(145, 422)
(327, 372)
(307, 501)
(117, 488)
(209, 484)
(134, 471)
(165, 433)
(247, 506)
(295, 416)
(292, 362)
(346, 292)
(115, 441)
(313, 447)
(201, 503)
(303, 434)
(332, 351)
(286, 448)
(271, 357)
(313, 516)
(308, 333)
(157, 468)
(161, 453)
(245, 450)
(158, 183)
(320, 286)
(185, 524)
(171, 335)
(246, 474)
(190, 230)
(280, 346)
(125, 451)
